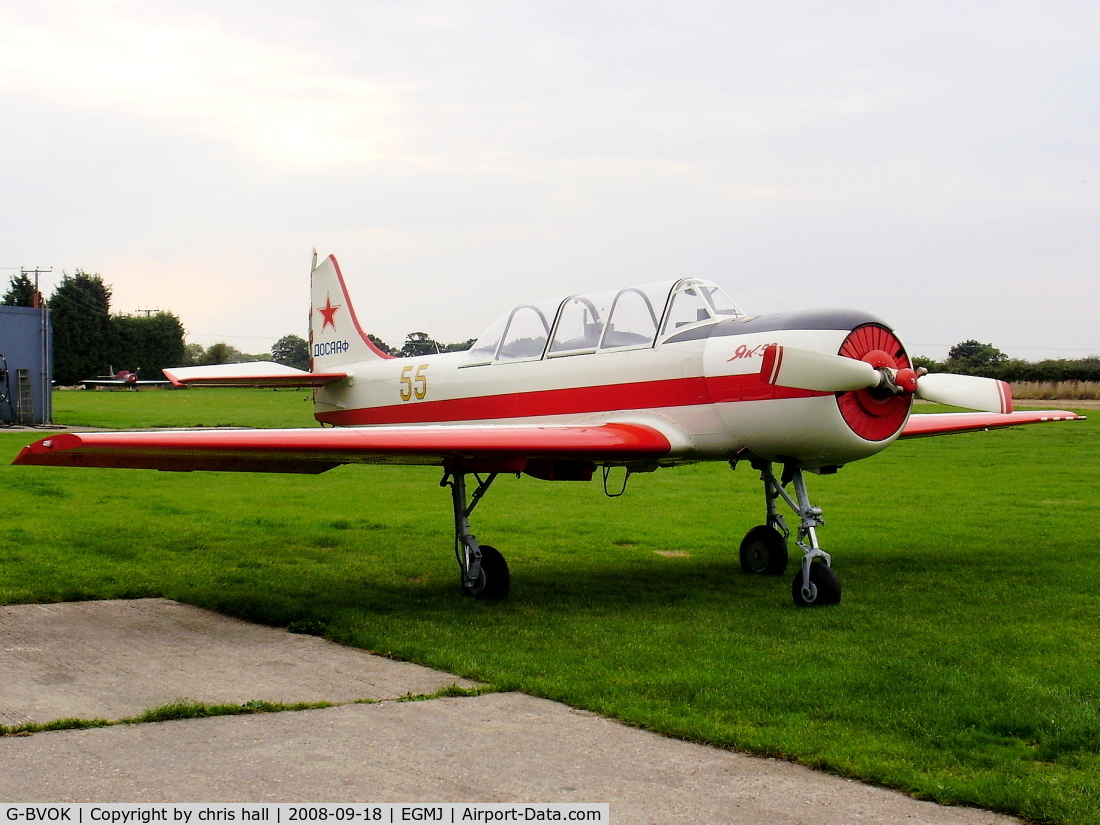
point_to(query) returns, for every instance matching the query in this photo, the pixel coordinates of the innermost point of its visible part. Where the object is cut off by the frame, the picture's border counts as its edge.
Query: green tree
(192, 354)
(80, 308)
(20, 292)
(929, 364)
(292, 351)
(147, 344)
(382, 345)
(223, 353)
(974, 358)
(419, 343)
(461, 346)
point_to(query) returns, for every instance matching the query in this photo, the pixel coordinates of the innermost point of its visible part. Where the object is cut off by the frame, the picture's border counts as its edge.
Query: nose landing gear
(764, 548)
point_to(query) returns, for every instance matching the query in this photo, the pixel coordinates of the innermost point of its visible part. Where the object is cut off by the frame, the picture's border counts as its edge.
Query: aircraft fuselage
(701, 387)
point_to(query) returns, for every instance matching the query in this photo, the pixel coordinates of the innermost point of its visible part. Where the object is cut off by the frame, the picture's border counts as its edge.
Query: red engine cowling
(875, 415)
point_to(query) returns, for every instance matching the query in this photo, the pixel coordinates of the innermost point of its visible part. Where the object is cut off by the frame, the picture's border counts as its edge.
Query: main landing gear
(764, 548)
(483, 570)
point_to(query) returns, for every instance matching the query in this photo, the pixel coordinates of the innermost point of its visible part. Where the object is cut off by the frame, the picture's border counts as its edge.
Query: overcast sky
(935, 163)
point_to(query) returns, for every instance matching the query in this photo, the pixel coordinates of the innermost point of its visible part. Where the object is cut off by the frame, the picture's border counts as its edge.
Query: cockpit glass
(694, 302)
(688, 307)
(719, 301)
(485, 347)
(525, 335)
(580, 323)
(634, 316)
(625, 319)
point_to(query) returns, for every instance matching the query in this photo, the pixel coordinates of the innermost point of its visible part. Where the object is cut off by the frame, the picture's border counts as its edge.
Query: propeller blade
(807, 370)
(969, 391)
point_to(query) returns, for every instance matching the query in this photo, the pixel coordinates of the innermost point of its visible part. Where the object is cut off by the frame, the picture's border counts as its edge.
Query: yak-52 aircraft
(645, 377)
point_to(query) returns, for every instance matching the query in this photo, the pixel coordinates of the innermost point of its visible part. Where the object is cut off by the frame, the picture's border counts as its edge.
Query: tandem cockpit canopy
(631, 318)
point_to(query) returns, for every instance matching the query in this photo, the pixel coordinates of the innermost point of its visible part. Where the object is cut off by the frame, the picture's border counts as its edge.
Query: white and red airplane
(646, 377)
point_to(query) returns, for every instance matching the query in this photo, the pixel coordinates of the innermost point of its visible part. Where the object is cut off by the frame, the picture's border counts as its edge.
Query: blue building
(26, 366)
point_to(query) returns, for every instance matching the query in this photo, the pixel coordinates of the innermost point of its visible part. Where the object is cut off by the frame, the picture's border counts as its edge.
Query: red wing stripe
(946, 423)
(317, 450)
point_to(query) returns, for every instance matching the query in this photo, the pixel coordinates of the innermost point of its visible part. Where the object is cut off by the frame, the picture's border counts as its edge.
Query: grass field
(963, 664)
(125, 409)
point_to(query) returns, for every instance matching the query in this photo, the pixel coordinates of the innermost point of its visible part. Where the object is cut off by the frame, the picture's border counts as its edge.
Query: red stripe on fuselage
(676, 392)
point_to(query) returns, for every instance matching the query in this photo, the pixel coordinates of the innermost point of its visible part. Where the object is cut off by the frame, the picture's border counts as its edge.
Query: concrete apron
(115, 659)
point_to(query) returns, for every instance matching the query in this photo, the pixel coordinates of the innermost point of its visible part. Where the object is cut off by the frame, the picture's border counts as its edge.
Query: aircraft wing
(250, 374)
(921, 425)
(540, 450)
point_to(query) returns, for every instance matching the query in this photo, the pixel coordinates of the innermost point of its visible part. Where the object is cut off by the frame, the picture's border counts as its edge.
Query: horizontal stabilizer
(928, 424)
(250, 374)
(486, 448)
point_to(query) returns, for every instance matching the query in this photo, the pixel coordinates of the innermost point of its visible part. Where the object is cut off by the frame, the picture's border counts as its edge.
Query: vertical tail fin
(335, 337)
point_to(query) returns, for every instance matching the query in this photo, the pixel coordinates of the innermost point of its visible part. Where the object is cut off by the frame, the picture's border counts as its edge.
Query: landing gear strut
(764, 548)
(482, 569)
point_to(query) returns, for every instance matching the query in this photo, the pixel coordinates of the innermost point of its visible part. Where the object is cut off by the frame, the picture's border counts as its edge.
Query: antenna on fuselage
(428, 321)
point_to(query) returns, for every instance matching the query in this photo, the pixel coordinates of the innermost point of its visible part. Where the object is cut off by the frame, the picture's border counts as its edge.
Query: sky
(935, 163)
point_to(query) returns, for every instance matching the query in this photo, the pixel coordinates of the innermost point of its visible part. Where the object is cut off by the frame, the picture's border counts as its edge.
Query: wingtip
(47, 451)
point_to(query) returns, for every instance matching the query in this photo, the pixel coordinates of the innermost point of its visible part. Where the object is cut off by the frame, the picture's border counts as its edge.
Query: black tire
(494, 581)
(824, 587)
(764, 551)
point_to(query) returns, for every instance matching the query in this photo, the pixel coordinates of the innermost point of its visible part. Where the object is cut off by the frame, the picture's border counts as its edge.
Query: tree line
(975, 358)
(88, 339)
(293, 350)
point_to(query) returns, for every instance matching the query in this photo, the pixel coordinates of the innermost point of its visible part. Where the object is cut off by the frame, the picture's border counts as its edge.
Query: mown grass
(961, 666)
(199, 407)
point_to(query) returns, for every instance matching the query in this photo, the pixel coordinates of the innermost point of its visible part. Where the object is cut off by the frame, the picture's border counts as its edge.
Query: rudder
(335, 336)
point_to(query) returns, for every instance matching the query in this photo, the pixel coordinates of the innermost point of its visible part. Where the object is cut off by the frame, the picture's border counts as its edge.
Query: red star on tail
(328, 310)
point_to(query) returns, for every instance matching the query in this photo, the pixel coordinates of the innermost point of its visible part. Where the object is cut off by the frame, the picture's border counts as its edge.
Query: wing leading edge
(928, 424)
(544, 451)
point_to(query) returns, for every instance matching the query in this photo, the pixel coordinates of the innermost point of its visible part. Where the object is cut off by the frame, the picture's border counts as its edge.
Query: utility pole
(36, 272)
(149, 313)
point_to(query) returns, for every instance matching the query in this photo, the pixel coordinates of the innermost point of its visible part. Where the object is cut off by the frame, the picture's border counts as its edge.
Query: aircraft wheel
(764, 551)
(824, 587)
(494, 582)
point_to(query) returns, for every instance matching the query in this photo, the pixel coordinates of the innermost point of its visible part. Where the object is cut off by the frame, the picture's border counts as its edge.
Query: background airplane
(642, 378)
(123, 379)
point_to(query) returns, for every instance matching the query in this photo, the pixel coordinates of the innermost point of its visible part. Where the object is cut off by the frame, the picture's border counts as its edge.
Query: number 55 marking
(415, 384)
